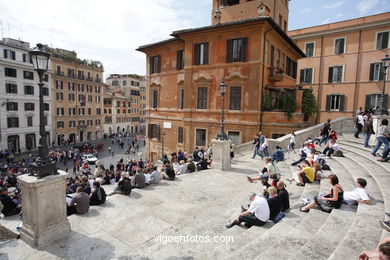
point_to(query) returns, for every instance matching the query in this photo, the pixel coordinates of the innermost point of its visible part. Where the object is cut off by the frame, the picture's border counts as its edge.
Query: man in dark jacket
(10, 208)
(98, 196)
(274, 203)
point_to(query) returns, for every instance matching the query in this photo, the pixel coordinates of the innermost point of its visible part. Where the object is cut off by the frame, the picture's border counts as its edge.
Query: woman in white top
(291, 146)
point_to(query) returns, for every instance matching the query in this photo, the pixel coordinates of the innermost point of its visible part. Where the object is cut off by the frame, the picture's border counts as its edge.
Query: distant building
(249, 50)
(343, 63)
(19, 98)
(77, 93)
(127, 115)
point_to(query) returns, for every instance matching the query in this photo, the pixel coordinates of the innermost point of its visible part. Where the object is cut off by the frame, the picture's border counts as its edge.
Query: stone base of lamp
(44, 209)
(221, 154)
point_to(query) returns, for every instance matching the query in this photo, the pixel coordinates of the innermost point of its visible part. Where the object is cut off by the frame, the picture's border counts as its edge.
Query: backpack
(126, 186)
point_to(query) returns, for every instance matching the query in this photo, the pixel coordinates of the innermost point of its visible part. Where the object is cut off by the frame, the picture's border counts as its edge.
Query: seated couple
(260, 210)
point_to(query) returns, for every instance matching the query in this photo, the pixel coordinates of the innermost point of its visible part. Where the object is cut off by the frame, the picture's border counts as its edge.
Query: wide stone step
(364, 232)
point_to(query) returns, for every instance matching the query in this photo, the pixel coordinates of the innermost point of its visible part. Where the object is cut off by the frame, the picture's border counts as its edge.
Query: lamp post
(385, 65)
(43, 166)
(222, 135)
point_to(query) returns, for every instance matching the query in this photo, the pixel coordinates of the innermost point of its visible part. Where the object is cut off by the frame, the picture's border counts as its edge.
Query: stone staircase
(202, 203)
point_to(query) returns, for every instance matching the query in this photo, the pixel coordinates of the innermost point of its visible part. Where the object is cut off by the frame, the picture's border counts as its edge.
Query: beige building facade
(77, 98)
(343, 64)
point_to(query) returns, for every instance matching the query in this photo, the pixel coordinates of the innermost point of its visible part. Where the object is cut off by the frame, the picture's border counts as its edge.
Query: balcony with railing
(275, 74)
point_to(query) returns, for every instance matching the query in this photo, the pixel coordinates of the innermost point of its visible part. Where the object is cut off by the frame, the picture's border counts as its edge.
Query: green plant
(289, 104)
(309, 103)
(267, 103)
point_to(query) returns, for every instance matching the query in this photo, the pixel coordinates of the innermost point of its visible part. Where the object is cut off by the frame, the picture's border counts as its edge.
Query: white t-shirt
(357, 194)
(260, 208)
(360, 119)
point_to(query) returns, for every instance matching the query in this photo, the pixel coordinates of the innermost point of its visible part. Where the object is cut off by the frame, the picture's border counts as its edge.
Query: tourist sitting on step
(138, 180)
(168, 173)
(182, 168)
(304, 153)
(191, 166)
(328, 201)
(268, 170)
(331, 148)
(382, 252)
(98, 195)
(155, 176)
(124, 185)
(257, 214)
(304, 175)
(9, 206)
(358, 195)
(283, 195)
(274, 203)
(278, 155)
(314, 160)
(382, 138)
(79, 203)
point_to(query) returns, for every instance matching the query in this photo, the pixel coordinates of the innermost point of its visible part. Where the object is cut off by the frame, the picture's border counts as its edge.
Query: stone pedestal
(44, 209)
(221, 154)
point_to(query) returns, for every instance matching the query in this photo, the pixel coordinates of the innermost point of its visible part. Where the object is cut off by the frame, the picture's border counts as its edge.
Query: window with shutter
(339, 46)
(236, 50)
(382, 40)
(376, 72)
(309, 49)
(235, 98)
(180, 60)
(202, 98)
(200, 137)
(306, 76)
(180, 135)
(181, 99)
(155, 64)
(201, 53)
(335, 74)
(154, 98)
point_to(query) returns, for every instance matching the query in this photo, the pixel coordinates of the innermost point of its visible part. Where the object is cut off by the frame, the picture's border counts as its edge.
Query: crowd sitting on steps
(271, 202)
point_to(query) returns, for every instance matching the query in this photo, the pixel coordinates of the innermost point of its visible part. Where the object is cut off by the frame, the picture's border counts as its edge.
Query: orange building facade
(254, 57)
(343, 63)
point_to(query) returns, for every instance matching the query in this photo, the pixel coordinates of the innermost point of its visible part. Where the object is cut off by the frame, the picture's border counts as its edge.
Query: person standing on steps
(325, 132)
(359, 124)
(256, 147)
(382, 138)
(368, 129)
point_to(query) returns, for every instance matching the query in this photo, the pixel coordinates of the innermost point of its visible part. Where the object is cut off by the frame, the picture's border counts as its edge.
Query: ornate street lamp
(222, 135)
(385, 65)
(43, 166)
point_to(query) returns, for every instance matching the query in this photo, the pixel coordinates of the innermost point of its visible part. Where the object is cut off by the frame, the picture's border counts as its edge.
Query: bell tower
(233, 10)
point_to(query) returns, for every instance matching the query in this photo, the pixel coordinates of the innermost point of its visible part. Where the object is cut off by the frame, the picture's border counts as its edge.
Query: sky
(110, 31)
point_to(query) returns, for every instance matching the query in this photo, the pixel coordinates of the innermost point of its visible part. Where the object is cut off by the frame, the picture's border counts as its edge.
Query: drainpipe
(357, 87)
(262, 79)
(320, 79)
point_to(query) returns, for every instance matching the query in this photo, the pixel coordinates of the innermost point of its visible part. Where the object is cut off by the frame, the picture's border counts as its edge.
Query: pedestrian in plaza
(382, 138)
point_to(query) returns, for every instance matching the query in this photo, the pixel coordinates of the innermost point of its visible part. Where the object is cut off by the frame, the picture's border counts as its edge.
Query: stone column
(44, 209)
(221, 154)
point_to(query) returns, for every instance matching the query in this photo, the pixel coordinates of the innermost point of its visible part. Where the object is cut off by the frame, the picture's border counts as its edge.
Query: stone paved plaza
(202, 203)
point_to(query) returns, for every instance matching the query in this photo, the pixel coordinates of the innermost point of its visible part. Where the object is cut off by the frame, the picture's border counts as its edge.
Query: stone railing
(340, 125)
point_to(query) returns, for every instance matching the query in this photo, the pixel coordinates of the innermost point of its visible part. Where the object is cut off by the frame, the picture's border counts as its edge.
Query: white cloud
(365, 6)
(108, 31)
(335, 5)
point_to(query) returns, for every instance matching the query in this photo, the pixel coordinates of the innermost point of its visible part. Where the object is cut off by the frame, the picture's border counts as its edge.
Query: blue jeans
(379, 141)
(256, 151)
(324, 139)
(366, 139)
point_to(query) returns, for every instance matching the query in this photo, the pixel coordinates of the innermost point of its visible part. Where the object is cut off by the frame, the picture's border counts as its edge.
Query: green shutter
(151, 65)
(178, 60)
(302, 76)
(330, 75)
(368, 105)
(158, 64)
(372, 68)
(381, 72)
(328, 100)
(245, 49)
(386, 101)
(196, 54)
(229, 51)
(342, 102)
(206, 53)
